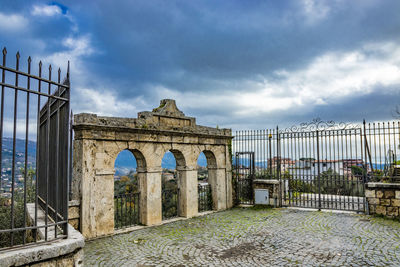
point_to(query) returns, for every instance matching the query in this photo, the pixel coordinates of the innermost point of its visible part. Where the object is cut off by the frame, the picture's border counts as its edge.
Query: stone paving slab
(255, 237)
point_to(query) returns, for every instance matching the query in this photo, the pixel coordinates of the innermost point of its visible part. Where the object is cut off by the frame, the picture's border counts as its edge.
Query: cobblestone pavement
(254, 237)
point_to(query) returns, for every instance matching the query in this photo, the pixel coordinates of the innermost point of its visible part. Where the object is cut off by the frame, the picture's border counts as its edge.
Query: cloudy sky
(237, 64)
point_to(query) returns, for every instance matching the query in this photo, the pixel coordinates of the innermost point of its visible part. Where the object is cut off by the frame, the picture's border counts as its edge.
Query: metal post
(278, 166)
(319, 173)
(14, 150)
(3, 76)
(270, 156)
(366, 208)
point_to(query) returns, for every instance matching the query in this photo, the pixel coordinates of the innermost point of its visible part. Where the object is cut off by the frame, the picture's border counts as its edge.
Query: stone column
(94, 189)
(150, 195)
(217, 179)
(188, 191)
(229, 192)
(228, 175)
(102, 192)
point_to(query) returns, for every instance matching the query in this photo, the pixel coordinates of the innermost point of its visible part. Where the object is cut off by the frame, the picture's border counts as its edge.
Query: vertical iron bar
(69, 166)
(278, 175)
(344, 176)
(319, 173)
(349, 176)
(361, 179)
(270, 155)
(3, 77)
(37, 148)
(26, 144)
(48, 155)
(14, 144)
(68, 160)
(366, 165)
(57, 107)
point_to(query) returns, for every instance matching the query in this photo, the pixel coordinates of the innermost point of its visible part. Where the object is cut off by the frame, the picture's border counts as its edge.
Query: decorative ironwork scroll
(319, 125)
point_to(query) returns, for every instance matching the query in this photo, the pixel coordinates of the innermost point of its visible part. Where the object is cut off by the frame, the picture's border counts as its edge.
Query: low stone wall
(61, 252)
(383, 199)
(273, 188)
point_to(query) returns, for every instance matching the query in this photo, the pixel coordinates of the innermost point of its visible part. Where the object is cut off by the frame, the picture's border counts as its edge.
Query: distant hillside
(19, 145)
(126, 160)
(7, 152)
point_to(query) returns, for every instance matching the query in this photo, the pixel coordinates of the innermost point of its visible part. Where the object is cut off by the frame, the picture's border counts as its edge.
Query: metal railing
(320, 164)
(205, 202)
(382, 141)
(34, 175)
(170, 202)
(126, 210)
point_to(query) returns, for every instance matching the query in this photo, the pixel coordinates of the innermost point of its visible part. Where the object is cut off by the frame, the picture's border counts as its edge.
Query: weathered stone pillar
(217, 179)
(150, 195)
(103, 202)
(228, 175)
(188, 191)
(94, 189)
(229, 191)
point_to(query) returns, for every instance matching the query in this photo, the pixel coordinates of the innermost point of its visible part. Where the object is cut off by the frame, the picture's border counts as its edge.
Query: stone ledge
(43, 251)
(384, 185)
(184, 132)
(104, 172)
(262, 181)
(74, 203)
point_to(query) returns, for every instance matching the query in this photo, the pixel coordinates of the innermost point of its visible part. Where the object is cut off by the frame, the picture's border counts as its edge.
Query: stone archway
(98, 140)
(127, 188)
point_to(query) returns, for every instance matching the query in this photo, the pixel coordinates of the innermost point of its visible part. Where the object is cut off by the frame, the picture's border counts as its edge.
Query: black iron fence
(205, 202)
(170, 202)
(34, 175)
(126, 210)
(382, 142)
(319, 164)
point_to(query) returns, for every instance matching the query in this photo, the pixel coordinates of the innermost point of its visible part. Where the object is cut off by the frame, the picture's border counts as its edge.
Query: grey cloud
(208, 47)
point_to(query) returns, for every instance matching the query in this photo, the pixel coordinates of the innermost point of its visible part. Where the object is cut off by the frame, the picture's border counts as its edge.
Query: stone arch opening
(209, 197)
(127, 165)
(170, 183)
(205, 202)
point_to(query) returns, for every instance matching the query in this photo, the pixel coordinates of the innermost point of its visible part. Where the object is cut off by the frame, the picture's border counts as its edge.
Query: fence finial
(4, 51)
(17, 63)
(29, 59)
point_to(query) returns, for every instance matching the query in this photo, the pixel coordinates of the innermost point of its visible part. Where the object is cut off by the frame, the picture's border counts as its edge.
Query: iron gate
(319, 164)
(322, 166)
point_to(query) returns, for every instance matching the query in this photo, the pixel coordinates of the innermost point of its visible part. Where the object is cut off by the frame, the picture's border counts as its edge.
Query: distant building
(285, 163)
(168, 176)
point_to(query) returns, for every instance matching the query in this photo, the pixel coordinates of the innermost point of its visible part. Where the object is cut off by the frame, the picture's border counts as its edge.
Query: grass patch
(261, 207)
